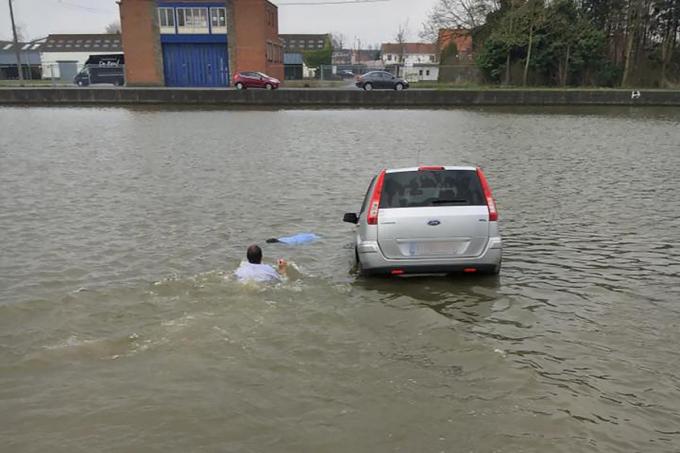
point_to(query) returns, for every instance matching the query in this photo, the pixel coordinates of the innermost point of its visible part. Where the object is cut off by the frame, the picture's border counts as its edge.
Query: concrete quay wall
(305, 98)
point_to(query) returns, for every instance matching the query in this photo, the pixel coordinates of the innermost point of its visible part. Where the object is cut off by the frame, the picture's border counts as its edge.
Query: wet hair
(254, 254)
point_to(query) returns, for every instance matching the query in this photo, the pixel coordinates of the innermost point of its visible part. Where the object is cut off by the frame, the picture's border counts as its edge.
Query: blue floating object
(299, 239)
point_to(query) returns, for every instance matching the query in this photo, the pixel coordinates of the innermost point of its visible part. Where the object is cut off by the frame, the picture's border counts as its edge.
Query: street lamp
(16, 45)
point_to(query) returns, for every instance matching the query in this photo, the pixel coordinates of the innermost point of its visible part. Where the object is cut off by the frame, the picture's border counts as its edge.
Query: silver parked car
(428, 220)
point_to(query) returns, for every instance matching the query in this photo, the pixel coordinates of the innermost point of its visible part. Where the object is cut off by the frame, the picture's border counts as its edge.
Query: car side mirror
(351, 217)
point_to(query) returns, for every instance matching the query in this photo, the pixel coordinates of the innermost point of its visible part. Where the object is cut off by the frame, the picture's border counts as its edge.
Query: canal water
(122, 330)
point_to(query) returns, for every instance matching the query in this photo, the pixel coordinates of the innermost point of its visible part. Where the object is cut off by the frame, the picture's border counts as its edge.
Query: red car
(243, 80)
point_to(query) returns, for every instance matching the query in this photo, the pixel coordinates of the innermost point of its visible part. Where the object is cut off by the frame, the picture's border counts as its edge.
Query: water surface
(119, 331)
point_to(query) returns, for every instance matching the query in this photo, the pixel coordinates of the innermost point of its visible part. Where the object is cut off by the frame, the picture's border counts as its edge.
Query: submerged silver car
(428, 220)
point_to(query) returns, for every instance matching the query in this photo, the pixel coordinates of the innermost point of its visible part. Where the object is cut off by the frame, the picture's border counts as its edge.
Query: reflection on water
(121, 329)
(463, 298)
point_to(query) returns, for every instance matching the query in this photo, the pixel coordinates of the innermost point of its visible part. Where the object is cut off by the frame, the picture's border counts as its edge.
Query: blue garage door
(195, 65)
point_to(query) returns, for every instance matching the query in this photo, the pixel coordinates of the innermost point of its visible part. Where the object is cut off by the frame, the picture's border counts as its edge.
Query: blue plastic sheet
(299, 239)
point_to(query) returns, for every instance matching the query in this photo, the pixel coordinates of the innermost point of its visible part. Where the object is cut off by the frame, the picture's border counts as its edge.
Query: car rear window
(414, 189)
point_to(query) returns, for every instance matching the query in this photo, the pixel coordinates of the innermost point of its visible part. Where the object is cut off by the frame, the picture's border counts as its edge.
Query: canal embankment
(336, 98)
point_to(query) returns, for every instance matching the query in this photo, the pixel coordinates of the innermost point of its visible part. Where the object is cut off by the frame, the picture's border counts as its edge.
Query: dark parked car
(377, 80)
(102, 69)
(243, 80)
(345, 74)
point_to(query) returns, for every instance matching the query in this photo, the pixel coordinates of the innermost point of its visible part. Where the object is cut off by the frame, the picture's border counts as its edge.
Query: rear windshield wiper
(458, 200)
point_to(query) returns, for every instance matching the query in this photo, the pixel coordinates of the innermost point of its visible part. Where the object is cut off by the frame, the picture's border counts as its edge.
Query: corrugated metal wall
(195, 65)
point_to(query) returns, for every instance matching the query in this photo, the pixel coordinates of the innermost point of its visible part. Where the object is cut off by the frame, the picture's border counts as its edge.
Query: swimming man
(255, 271)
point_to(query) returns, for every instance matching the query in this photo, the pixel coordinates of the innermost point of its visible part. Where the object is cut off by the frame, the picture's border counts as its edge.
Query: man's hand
(283, 266)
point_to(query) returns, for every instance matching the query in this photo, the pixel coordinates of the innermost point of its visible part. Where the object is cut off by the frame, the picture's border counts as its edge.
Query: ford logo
(434, 222)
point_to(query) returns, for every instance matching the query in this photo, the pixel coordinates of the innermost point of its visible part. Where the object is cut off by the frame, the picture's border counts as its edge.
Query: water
(119, 332)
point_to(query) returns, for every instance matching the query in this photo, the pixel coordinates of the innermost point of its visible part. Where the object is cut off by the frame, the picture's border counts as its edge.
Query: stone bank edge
(296, 98)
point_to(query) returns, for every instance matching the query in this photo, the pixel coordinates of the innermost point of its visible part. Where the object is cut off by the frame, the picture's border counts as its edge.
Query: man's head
(254, 254)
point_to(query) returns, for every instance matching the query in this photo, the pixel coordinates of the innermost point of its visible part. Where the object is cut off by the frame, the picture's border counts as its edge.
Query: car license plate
(435, 248)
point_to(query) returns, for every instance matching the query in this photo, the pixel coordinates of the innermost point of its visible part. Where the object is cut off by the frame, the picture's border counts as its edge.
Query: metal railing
(349, 72)
(338, 72)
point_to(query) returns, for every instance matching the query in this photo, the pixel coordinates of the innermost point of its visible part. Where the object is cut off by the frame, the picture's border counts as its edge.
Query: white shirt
(256, 273)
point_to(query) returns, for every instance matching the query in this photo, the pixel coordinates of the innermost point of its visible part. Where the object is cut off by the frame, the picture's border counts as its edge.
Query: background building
(415, 61)
(30, 60)
(62, 56)
(293, 65)
(458, 36)
(421, 72)
(457, 66)
(293, 43)
(295, 46)
(199, 43)
(408, 54)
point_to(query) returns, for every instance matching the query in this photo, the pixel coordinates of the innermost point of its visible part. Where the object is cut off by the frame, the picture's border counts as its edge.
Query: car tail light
(374, 205)
(490, 202)
(431, 168)
(397, 272)
(470, 270)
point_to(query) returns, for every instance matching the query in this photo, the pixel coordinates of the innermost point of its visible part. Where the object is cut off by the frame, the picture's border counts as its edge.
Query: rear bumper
(373, 262)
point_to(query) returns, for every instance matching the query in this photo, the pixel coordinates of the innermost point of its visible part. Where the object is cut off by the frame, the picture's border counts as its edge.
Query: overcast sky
(371, 22)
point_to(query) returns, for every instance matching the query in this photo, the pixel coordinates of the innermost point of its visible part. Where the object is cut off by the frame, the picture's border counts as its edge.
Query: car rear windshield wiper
(457, 200)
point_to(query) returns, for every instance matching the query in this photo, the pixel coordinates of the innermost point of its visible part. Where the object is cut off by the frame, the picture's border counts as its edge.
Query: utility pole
(17, 50)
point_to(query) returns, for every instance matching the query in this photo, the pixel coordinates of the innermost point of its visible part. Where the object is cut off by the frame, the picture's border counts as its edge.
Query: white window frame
(189, 17)
(218, 29)
(166, 13)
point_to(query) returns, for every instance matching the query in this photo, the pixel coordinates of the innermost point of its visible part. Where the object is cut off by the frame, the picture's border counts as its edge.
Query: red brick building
(461, 37)
(198, 42)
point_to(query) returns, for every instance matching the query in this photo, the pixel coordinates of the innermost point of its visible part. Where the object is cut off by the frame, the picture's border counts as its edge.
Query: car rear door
(383, 80)
(433, 214)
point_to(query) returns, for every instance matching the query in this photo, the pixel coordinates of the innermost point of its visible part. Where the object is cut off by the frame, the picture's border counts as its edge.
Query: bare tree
(467, 14)
(113, 28)
(338, 40)
(401, 38)
(21, 36)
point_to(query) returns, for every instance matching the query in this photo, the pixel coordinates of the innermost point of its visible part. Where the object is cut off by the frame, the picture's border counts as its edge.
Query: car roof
(446, 167)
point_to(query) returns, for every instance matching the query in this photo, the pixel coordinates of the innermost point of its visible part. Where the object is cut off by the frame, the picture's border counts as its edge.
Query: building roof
(292, 58)
(460, 36)
(30, 52)
(455, 31)
(422, 48)
(300, 36)
(8, 46)
(103, 42)
(304, 41)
